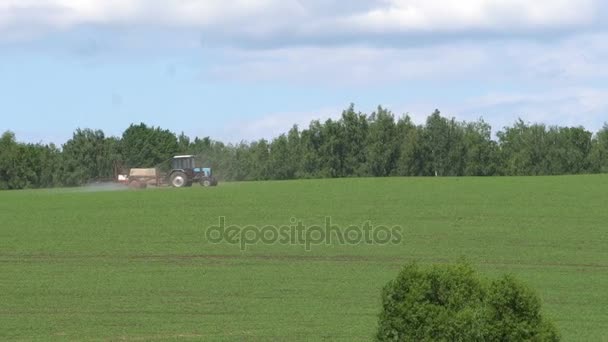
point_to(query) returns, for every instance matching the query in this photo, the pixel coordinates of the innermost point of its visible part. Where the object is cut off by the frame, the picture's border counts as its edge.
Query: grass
(135, 265)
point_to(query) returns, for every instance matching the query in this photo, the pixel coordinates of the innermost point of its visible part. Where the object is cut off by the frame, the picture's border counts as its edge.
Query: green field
(136, 265)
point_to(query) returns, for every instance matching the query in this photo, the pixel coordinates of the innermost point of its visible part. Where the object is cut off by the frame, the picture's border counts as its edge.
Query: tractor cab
(184, 173)
(182, 163)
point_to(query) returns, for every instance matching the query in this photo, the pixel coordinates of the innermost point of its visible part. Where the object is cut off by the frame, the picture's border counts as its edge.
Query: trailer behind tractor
(183, 173)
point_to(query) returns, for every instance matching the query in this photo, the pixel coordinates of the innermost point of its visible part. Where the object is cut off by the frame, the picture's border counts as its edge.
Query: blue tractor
(184, 173)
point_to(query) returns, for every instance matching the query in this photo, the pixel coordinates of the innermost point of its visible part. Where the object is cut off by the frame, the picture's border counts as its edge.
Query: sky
(248, 69)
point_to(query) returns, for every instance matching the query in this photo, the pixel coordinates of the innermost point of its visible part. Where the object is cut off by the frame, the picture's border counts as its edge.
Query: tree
(413, 156)
(280, 166)
(451, 303)
(481, 152)
(310, 142)
(599, 151)
(382, 149)
(28, 165)
(332, 150)
(295, 151)
(522, 149)
(355, 145)
(183, 144)
(356, 130)
(444, 140)
(87, 156)
(568, 151)
(9, 173)
(41, 164)
(513, 313)
(144, 146)
(252, 161)
(539, 150)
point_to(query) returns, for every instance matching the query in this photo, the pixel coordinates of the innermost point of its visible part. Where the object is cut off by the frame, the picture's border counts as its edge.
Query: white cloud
(367, 44)
(61, 14)
(272, 125)
(299, 18)
(580, 57)
(570, 106)
(568, 62)
(512, 15)
(565, 107)
(351, 66)
(551, 82)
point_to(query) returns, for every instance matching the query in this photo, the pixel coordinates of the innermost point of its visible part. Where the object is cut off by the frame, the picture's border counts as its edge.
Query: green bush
(451, 303)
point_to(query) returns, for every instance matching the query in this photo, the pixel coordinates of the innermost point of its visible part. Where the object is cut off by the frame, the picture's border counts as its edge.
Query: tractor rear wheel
(179, 180)
(134, 184)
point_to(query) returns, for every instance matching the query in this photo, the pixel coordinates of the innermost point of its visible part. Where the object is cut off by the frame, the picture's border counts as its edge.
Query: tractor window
(183, 163)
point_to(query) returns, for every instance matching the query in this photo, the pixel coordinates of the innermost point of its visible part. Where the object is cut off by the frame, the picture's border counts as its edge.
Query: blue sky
(246, 69)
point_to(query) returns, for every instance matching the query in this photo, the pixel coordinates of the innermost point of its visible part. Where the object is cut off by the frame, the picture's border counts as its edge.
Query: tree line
(355, 145)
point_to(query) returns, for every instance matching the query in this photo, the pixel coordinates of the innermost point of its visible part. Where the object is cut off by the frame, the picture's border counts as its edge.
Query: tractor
(184, 173)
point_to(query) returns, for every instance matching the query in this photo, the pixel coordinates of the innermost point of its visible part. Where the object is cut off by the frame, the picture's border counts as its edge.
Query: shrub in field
(513, 313)
(451, 303)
